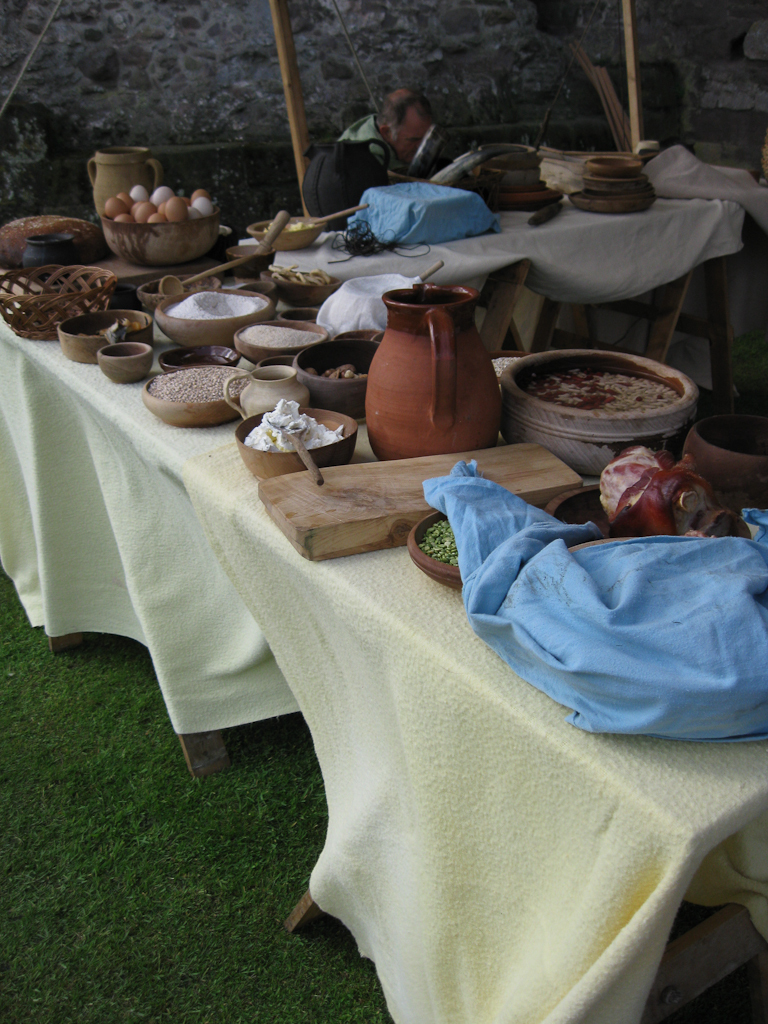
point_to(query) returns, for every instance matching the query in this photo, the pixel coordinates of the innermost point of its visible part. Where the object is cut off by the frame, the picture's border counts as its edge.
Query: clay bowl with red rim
(341, 395)
(193, 333)
(150, 297)
(588, 438)
(204, 355)
(267, 464)
(80, 339)
(302, 295)
(247, 343)
(731, 452)
(440, 572)
(614, 166)
(308, 314)
(125, 362)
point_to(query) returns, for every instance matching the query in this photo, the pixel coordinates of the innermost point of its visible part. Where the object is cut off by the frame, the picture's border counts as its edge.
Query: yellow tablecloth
(498, 865)
(98, 534)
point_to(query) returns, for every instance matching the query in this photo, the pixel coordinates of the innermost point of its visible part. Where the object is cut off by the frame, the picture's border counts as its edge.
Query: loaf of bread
(88, 238)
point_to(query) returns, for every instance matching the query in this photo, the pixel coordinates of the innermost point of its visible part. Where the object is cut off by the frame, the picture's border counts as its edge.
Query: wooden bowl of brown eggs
(162, 229)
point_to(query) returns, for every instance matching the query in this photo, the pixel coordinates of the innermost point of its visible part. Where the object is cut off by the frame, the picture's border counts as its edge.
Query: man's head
(404, 120)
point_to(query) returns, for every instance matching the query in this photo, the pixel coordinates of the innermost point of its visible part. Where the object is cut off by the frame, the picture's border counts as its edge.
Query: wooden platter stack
(614, 185)
(520, 184)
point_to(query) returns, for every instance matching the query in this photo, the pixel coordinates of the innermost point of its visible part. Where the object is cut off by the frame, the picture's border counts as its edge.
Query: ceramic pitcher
(267, 386)
(118, 169)
(431, 388)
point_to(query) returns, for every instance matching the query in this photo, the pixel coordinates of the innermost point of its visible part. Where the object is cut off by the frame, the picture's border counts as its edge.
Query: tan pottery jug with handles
(432, 388)
(268, 385)
(118, 169)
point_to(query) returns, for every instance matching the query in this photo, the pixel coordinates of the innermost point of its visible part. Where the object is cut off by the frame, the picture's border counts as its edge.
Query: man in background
(399, 127)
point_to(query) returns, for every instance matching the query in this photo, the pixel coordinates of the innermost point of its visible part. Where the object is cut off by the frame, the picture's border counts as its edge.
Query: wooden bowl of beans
(192, 397)
(439, 540)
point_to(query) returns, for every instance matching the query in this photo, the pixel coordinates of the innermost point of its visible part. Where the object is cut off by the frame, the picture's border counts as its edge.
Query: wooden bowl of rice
(596, 404)
(277, 338)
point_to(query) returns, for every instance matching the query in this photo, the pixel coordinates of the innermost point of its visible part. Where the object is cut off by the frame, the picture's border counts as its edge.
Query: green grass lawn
(132, 892)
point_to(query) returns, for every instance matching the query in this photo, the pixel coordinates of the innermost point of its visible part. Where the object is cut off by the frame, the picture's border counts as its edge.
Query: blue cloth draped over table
(666, 636)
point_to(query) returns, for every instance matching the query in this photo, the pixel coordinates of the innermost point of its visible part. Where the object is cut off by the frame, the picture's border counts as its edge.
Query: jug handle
(157, 168)
(230, 401)
(443, 339)
(92, 170)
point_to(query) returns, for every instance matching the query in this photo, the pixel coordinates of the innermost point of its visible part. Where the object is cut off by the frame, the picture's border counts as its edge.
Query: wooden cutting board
(373, 505)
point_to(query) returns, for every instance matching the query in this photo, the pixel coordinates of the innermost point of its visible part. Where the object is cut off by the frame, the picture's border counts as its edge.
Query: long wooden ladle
(170, 285)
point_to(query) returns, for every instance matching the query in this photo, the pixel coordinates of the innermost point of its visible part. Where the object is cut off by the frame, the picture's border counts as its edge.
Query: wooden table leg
(720, 333)
(507, 284)
(545, 328)
(666, 318)
(204, 752)
(757, 972)
(64, 642)
(305, 911)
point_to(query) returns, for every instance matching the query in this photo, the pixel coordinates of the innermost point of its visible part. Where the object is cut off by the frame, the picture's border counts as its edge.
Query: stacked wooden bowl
(520, 185)
(614, 184)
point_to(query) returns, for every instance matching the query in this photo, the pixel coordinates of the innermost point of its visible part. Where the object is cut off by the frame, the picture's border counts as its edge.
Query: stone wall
(200, 83)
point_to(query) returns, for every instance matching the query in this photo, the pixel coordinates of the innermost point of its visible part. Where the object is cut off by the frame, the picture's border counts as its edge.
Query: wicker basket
(35, 300)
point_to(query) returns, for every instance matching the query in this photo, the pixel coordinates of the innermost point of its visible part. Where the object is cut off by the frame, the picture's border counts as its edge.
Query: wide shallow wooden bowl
(302, 294)
(159, 245)
(267, 464)
(204, 355)
(307, 314)
(125, 362)
(255, 352)
(188, 414)
(80, 339)
(254, 266)
(440, 572)
(192, 333)
(150, 297)
(287, 240)
(580, 505)
(614, 166)
(731, 452)
(34, 301)
(347, 396)
(588, 439)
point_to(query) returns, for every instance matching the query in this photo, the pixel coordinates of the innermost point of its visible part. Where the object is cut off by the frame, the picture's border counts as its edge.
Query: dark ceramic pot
(125, 297)
(43, 250)
(731, 452)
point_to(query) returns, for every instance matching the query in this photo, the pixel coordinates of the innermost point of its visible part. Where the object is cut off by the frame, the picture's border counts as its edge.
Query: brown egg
(176, 209)
(144, 212)
(125, 198)
(114, 206)
(200, 192)
(161, 208)
(134, 207)
(157, 218)
(187, 200)
(125, 218)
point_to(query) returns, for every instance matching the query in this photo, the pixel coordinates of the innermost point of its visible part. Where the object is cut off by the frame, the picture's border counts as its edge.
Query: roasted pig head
(647, 494)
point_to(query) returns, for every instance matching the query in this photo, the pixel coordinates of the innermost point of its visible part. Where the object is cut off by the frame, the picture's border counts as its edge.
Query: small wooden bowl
(268, 464)
(188, 414)
(287, 240)
(302, 294)
(307, 314)
(255, 284)
(193, 333)
(260, 261)
(150, 297)
(347, 396)
(579, 505)
(204, 355)
(255, 352)
(440, 572)
(160, 245)
(80, 339)
(614, 166)
(125, 362)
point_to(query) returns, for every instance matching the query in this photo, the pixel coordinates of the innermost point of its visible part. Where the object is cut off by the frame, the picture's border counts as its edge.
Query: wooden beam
(64, 642)
(204, 752)
(305, 911)
(294, 98)
(633, 72)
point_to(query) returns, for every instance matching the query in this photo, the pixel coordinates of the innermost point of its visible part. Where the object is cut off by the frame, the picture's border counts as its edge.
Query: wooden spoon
(332, 216)
(295, 439)
(432, 270)
(170, 285)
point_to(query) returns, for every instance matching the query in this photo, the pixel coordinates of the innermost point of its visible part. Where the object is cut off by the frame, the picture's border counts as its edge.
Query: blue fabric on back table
(666, 636)
(413, 212)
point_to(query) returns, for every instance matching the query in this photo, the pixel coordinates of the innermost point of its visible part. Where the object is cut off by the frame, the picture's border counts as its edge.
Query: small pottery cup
(267, 386)
(126, 362)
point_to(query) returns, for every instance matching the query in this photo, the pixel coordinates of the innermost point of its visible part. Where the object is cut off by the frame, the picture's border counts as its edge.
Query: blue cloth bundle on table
(666, 636)
(418, 213)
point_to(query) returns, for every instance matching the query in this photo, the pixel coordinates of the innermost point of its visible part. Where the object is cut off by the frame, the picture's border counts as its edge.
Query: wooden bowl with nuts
(336, 374)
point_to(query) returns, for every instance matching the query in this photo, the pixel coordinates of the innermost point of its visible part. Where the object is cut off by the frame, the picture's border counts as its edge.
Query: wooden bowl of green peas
(432, 548)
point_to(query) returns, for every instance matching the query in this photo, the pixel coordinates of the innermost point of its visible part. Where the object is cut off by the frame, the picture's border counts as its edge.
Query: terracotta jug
(118, 169)
(268, 385)
(431, 388)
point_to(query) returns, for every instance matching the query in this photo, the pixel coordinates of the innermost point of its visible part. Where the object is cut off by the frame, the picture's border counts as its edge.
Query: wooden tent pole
(633, 72)
(294, 99)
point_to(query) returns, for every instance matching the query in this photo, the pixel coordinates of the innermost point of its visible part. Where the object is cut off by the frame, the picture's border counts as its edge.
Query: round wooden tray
(616, 204)
(623, 186)
(531, 201)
